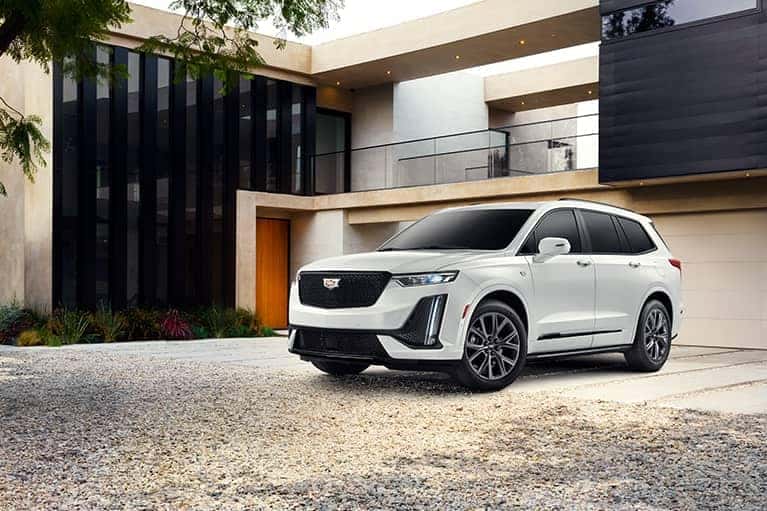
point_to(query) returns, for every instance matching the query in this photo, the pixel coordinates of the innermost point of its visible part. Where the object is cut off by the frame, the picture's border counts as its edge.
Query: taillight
(676, 263)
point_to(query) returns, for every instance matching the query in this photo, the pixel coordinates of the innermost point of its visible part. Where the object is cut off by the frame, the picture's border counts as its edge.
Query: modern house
(175, 192)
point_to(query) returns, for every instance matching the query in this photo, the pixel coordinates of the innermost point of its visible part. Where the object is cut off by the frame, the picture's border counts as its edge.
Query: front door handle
(584, 262)
(635, 264)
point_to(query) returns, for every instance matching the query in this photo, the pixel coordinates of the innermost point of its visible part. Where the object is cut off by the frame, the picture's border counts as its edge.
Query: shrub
(70, 326)
(266, 332)
(200, 332)
(143, 324)
(219, 322)
(30, 338)
(174, 326)
(52, 340)
(12, 322)
(248, 324)
(107, 325)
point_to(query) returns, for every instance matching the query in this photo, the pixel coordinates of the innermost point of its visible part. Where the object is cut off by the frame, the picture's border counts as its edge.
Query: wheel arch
(513, 300)
(664, 297)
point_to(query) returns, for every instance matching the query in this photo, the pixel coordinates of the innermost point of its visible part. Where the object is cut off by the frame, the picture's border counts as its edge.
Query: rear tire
(339, 368)
(495, 349)
(652, 342)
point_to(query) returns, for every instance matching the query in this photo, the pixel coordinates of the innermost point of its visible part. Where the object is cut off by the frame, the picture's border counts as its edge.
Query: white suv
(477, 291)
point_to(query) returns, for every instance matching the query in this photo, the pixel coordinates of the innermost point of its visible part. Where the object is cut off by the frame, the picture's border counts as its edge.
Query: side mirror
(551, 247)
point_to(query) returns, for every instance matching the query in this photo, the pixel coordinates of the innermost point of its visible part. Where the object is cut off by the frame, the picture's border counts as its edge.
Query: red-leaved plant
(174, 326)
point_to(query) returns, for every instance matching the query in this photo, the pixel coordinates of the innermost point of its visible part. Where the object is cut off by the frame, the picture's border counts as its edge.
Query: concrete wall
(315, 236)
(12, 206)
(26, 213)
(439, 105)
(419, 109)
(372, 125)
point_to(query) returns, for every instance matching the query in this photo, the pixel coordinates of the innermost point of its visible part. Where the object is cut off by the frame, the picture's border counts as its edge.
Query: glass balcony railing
(552, 146)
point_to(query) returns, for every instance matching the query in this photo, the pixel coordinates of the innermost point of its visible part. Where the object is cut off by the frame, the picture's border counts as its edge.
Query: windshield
(468, 229)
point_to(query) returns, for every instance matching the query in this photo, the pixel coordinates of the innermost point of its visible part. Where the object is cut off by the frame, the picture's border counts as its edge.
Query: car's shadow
(417, 382)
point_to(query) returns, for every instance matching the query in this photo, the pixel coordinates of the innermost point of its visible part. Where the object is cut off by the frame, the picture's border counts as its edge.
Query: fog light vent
(421, 330)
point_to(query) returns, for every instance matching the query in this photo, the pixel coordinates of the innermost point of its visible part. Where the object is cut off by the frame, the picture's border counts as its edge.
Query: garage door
(724, 280)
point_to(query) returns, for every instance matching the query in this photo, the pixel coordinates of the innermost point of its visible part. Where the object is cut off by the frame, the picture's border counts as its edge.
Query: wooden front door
(272, 271)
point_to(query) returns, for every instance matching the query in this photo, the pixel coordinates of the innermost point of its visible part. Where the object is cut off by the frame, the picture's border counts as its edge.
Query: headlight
(424, 279)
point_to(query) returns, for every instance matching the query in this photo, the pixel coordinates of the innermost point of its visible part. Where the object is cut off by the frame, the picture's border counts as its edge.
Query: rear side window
(556, 224)
(638, 238)
(602, 232)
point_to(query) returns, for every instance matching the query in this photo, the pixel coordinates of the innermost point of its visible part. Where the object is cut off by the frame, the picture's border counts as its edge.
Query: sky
(359, 16)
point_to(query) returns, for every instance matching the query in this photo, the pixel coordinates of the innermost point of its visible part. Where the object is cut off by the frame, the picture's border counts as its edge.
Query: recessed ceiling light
(457, 57)
(388, 72)
(522, 42)
(523, 102)
(338, 84)
(591, 92)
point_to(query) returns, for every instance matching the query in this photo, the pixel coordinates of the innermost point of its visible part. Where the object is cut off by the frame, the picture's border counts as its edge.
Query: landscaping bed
(28, 327)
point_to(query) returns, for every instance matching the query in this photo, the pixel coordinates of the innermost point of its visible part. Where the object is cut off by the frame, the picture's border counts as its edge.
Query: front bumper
(386, 318)
(355, 346)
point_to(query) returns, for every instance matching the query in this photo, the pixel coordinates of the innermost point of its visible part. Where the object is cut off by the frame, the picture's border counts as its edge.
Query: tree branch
(3, 101)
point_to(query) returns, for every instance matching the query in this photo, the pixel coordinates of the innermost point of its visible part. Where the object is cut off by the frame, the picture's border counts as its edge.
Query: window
(272, 140)
(163, 176)
(331, 147)
(638, 238)
(667, 13)
(556, 224)
(246, 132)
(473, 229)
(191, 268)
(67, 181)
(133, 178)
(296, 158)
(601, 228)
(103, 177)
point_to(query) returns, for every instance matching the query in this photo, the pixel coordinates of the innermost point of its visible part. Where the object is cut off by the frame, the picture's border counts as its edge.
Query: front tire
(652, 343)
(339, 368)
(495, 350)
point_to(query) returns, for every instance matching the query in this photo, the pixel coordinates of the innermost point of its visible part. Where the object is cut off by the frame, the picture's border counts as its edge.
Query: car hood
(400, 261)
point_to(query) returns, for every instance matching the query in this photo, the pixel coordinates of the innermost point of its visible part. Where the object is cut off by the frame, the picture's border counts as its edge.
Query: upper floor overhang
(540, 87)
(477, 34)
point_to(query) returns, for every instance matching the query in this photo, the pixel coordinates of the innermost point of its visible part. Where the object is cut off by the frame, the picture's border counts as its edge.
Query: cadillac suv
(477, 291)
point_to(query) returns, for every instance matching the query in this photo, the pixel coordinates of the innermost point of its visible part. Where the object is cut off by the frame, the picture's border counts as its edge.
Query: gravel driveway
(98, 430)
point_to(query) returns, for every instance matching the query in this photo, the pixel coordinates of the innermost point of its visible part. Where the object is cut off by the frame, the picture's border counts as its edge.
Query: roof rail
(599, 203)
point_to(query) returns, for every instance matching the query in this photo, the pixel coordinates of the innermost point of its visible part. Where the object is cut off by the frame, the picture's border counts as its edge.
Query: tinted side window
(559, 224)
(638, 238)
(601, 229)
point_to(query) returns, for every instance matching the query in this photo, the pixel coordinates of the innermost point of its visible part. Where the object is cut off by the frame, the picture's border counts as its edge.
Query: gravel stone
(99, 430)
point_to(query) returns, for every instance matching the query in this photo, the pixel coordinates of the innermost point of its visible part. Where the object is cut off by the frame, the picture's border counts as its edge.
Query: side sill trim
(549, 337)
(587, 351)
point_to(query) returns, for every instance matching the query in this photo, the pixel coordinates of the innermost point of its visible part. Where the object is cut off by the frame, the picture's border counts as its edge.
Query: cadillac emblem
(331, 283)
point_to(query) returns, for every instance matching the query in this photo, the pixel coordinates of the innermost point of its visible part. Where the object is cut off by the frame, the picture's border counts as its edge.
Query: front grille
(360, 289)
(335, 343)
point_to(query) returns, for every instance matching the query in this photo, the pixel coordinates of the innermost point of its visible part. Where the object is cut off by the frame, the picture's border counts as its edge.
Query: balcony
(558, 145)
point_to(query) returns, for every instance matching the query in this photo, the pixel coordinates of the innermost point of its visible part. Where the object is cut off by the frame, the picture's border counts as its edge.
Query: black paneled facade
(682, 96)
(146, 170)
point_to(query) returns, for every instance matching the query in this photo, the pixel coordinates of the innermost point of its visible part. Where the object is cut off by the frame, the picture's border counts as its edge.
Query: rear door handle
(635, 264)
(584, 262)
